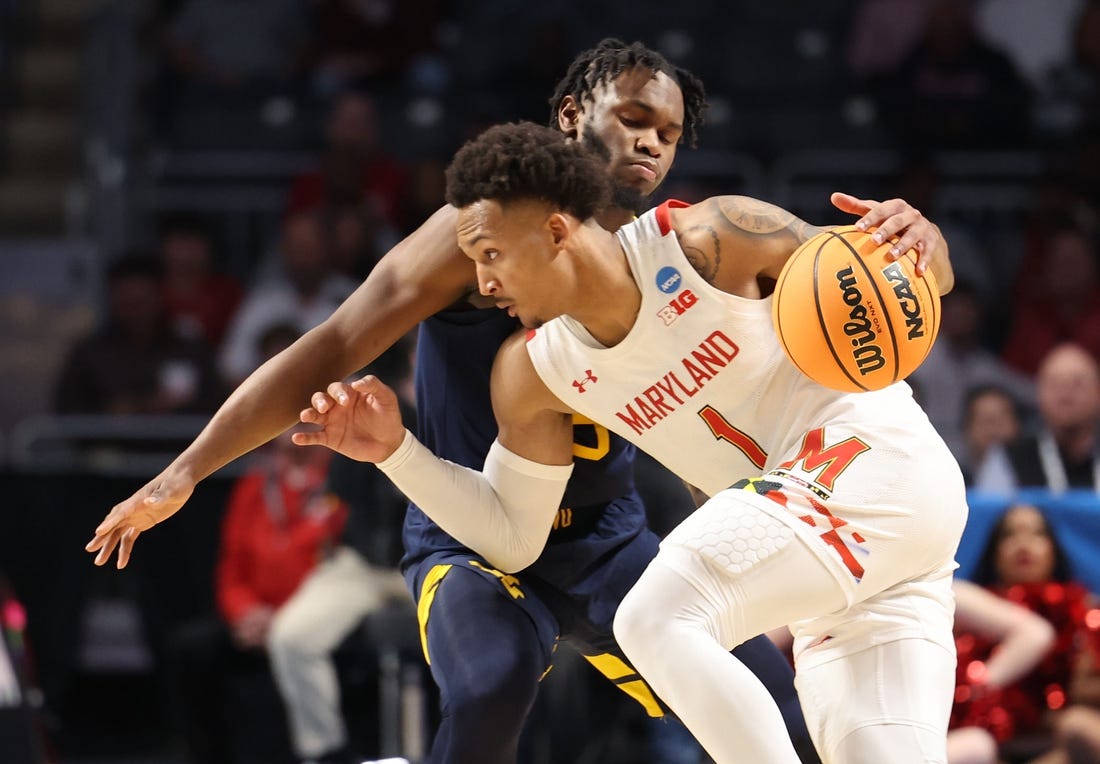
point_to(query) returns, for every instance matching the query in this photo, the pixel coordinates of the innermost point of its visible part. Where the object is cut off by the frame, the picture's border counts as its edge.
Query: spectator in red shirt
(276, 528)
(198, 298)
(1065, 305)
(278, 524)
(354, 170)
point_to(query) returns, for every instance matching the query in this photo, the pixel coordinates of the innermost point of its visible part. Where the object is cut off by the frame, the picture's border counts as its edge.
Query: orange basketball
(850, 318)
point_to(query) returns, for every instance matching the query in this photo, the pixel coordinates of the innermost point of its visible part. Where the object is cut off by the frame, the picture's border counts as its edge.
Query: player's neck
(614, 218)
(607, 297)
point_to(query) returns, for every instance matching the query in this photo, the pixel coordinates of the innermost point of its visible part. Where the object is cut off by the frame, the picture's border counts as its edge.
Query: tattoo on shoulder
(803, 230)
(703, 250)
(758, 218)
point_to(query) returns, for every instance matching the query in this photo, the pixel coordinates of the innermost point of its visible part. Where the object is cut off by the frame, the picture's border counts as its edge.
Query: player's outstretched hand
(895, 217)
(361, 420)
(158, 500)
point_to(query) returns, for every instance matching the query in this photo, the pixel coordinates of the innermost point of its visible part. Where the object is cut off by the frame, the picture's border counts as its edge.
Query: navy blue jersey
(455, 352)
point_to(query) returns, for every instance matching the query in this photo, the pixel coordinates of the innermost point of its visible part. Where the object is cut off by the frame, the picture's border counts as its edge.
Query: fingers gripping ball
(850, 318)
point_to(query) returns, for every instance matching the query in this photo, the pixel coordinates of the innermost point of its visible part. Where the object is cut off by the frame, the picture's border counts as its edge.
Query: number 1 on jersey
(723, 430)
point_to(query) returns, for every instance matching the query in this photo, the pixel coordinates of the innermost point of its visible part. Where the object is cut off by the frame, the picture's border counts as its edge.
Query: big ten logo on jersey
(677, 306)
(669, 281)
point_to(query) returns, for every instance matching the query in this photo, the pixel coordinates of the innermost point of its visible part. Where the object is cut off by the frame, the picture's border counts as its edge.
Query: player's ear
(569, 116)
(559, 227)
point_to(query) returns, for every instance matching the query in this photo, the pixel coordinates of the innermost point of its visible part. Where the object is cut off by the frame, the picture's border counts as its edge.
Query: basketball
(849, 317)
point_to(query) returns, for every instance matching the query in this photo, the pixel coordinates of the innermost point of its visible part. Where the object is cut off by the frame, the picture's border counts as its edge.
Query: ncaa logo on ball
(907, 301)
(668, 279)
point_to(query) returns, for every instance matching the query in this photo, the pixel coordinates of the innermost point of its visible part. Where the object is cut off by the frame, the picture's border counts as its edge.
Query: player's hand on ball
(361, 420)
(895, 217)
(851, 315)
(154, 503)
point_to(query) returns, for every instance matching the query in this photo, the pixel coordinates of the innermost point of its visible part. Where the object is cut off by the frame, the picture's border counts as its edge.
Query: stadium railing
(971, 184)
(102, 444)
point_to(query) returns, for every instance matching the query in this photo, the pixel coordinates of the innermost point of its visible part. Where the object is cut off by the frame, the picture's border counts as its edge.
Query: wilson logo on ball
(859, 326)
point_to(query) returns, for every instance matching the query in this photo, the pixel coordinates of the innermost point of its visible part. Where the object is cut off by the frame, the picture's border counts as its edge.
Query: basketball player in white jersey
(838, 514)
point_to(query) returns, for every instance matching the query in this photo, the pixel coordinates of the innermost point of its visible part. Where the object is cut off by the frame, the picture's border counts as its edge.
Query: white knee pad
(731, 533)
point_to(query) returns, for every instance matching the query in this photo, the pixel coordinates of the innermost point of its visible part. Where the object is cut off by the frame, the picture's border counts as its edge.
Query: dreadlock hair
(522, 160)
(610, 58)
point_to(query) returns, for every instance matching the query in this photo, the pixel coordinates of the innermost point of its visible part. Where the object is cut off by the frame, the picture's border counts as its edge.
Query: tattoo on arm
(757, 218)
(705, 262)
(802, 230)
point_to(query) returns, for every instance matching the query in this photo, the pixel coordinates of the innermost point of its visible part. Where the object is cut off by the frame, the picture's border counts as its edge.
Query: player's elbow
(1042, 633)
(512, 561)
(519, 552)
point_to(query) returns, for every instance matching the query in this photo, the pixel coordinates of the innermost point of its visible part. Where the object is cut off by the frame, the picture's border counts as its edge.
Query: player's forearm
(504, 513)
(267, 402)
(420, 276)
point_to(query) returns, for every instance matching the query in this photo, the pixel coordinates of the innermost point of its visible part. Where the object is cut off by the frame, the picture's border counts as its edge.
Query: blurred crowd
(327, 77)
(379, 93)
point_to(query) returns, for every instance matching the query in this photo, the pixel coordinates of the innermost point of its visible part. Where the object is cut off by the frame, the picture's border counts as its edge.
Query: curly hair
(522, 160)
(610, 58)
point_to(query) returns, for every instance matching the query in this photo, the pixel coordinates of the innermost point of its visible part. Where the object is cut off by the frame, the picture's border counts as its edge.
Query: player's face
(635, 121)
(1025, 549)
(513, 253)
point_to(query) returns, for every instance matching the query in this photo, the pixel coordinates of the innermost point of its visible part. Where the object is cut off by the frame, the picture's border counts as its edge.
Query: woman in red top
(1022, 564)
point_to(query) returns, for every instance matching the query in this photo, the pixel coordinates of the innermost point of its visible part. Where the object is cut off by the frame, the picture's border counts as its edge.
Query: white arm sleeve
(503, 513)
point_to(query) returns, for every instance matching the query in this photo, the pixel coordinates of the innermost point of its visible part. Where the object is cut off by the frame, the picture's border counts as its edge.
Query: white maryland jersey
(700, 381)
(863, 479)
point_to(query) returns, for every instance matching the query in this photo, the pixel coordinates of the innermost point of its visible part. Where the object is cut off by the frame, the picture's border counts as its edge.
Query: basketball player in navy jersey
(489, 634)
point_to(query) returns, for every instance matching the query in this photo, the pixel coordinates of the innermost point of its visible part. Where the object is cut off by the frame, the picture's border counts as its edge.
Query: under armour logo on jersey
(580, 383)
